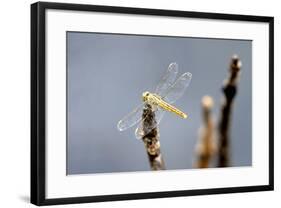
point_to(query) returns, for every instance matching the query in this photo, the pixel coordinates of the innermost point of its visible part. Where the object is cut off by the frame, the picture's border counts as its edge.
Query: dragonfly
(167, 92)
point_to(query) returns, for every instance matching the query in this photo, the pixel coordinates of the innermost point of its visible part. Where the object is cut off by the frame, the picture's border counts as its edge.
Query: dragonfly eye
(145, 94)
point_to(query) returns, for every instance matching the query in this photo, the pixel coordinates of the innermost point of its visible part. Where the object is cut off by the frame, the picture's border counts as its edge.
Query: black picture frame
(38, 99)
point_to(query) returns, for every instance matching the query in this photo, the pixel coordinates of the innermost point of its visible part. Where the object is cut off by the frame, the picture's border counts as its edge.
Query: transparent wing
(143, 130)
(168, 79)
(131, 119)
(178, 88)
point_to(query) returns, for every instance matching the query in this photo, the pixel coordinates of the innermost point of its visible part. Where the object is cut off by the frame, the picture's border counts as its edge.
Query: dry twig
(229, 90)
(151, 139)
(206, 145)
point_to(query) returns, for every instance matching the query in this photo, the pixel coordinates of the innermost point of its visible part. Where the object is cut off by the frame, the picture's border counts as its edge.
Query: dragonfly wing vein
(131, 119)
(178, 88)
(168, 79)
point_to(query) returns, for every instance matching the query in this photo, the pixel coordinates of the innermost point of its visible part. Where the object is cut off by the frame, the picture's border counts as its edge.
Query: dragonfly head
(145, 96)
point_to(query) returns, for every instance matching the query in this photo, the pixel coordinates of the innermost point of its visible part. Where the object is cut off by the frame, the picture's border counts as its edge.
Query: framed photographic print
(134, 103)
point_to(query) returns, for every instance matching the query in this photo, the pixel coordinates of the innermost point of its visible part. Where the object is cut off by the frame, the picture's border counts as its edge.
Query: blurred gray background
(107, 74)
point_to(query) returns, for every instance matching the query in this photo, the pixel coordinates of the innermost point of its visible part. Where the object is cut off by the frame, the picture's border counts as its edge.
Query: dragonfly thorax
(148, 97)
